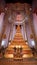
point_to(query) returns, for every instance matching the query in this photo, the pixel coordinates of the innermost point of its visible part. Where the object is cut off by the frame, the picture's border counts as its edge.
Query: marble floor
(27, 61)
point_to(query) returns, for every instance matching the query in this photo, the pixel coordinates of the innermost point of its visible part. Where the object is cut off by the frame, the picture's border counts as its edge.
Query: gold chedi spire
(18, 28)
(18, 47)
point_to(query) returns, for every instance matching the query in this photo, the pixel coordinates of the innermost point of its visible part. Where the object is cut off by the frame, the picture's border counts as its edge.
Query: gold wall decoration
(31, 36)
(4, 36)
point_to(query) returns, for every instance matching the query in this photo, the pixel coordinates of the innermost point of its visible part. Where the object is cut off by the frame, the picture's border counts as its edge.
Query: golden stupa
(18, 47)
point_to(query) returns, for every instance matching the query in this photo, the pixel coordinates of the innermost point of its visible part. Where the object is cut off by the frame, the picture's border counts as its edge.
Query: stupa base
(18, 57)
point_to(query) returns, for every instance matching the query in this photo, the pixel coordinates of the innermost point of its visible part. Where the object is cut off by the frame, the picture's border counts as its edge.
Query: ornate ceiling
(17, 11)
(21, 1)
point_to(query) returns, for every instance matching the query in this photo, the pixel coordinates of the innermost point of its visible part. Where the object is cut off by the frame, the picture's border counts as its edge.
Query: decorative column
(29, 14)
(2, 26)
(12, 32)
(25, 37)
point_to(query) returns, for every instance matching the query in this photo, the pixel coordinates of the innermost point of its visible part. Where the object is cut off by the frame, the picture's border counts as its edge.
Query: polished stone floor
(26, 61)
